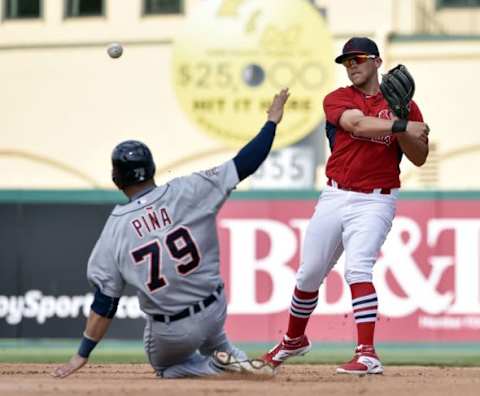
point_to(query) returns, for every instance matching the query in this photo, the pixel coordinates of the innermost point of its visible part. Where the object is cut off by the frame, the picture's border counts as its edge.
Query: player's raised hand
(275, 111)
(75, 363)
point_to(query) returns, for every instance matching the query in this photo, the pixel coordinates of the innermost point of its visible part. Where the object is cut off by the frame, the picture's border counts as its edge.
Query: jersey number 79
(181, 248)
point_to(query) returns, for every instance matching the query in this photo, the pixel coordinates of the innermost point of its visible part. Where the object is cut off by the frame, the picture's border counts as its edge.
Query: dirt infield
(106, 380)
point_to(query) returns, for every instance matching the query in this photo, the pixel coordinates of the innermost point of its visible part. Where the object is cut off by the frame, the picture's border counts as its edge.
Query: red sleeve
(335, 103)
(415, 113)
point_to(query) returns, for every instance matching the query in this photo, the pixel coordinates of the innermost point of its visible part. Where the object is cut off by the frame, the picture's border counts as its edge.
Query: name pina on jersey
(150, 221)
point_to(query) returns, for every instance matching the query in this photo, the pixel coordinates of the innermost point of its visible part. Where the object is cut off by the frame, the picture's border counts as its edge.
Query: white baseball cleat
(365, 361)
(227, 362)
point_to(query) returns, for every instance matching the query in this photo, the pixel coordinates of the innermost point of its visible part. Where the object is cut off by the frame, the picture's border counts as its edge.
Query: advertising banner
(427, 276)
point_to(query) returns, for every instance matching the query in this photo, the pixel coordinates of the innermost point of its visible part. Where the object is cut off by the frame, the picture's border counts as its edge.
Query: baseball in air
(115, 50)
(253, 75)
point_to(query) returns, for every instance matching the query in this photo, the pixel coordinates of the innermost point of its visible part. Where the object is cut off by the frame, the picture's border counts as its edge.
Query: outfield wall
(427, 277)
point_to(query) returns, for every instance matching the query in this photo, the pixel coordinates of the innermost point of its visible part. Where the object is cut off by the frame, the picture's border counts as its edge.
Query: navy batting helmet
(132, 163)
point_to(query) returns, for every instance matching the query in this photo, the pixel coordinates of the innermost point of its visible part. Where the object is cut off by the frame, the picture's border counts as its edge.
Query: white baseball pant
(349, 221)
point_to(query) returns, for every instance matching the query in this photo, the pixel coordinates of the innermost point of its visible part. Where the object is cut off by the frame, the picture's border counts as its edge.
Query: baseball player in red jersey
(355, 211)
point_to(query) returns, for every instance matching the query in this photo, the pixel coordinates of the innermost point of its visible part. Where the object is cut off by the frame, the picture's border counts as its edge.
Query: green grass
(55, 351)
(114, 351)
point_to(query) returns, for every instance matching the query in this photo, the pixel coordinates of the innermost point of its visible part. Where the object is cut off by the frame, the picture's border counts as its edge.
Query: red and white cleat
(365, 361)
(287, 348)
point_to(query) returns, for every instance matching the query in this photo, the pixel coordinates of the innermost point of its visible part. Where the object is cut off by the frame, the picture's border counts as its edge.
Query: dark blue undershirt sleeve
(251, 156)
(104, 305)
(331, 132)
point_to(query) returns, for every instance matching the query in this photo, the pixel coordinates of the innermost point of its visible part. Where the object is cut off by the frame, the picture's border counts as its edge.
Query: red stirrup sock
(302, 306)
(364, 303)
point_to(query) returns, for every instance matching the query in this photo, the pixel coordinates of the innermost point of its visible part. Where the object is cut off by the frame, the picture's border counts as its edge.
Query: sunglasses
(357, 60)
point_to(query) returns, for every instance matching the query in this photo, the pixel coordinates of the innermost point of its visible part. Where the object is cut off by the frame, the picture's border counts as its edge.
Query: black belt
(195, 308)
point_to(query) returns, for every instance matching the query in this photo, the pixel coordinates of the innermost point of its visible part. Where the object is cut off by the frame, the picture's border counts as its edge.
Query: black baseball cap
(358, 46)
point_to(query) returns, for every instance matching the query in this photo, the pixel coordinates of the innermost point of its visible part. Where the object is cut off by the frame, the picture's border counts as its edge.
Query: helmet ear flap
(117, 180)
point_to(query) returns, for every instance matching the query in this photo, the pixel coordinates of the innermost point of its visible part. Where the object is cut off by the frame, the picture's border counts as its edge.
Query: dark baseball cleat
(227, 362)
(286, 349)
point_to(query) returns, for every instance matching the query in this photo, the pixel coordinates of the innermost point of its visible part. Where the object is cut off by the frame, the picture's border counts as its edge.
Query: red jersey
(357, 162)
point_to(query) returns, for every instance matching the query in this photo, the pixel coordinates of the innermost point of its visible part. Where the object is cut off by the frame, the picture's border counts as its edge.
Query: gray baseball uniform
(164, 243)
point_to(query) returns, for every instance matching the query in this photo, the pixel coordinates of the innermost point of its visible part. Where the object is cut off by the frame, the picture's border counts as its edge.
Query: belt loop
(167, 319)
(201, 305)
(386, 191)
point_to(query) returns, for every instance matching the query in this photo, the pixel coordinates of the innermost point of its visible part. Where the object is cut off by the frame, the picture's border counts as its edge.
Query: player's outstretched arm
(358, 124)
(97, 326)
(251, 156)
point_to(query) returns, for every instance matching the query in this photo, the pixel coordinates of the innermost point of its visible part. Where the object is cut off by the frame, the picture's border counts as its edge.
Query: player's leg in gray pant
(201, 364)
(172, 348)
(221, 343)
(196, 365)
(217, 339)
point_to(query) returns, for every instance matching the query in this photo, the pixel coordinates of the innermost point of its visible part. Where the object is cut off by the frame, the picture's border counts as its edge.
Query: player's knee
(309, 279)
(358, 275)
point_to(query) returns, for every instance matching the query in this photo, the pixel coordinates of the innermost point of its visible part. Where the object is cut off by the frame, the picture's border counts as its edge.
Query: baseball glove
(398, 87)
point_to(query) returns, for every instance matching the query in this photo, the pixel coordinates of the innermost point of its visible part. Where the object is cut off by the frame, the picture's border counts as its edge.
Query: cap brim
(341, 58)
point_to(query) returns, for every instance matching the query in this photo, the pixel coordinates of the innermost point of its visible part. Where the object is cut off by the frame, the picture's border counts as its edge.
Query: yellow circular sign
(234, 55)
